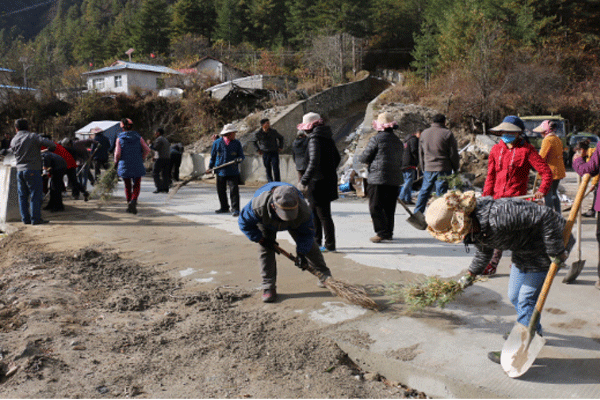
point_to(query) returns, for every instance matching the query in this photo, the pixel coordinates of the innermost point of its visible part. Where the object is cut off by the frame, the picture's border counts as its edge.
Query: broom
(345, 290)
(107, 183)
(187, 180)
(433, 292)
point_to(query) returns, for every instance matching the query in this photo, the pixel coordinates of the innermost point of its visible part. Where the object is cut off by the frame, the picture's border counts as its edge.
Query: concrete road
(440, 352)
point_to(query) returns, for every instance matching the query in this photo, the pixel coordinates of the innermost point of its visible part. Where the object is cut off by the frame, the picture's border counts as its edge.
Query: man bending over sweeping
(279, 206)
(533, 233)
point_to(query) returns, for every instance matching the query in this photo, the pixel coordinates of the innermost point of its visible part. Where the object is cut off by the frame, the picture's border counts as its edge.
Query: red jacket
(508, 170)
(64, 153)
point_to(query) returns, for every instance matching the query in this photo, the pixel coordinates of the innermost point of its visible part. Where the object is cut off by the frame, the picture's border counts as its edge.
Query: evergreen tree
(150, 28)
(230, 19)
(267, 19)
(300, 21)
(193, 16)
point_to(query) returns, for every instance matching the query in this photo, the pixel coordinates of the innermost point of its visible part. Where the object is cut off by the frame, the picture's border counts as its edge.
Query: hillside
(26, 18)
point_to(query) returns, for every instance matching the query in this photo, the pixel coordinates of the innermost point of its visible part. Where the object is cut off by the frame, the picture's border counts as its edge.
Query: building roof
(6, 70)
(195, 64)
(124, 65)
(16, 87)
(104, 125)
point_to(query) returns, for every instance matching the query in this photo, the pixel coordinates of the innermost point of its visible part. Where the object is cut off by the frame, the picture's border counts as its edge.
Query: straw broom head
(107, 183)
(433, 292)
(353, 294)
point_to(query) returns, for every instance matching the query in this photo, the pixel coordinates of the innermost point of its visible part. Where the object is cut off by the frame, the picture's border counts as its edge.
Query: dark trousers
(382, 206)
(161, 172)
(175, 164)
(234, 191)
(56, 187)
(268, 265)
(324, 225)
(76, 186)
(98, 166)
(271, 163)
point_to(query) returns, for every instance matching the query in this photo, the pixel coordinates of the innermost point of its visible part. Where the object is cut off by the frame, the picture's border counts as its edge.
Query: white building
(123, 77)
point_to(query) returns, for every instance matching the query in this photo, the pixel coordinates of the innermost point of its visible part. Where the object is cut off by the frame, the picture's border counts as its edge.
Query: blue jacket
(222, 153)
(258, 215)
(102, 146)
(131, 163)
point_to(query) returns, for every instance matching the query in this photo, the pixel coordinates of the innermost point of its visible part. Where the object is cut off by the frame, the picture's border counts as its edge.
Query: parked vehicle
(533, 121)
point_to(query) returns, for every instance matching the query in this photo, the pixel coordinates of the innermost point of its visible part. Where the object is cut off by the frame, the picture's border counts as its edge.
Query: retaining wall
(322, 103)
(9, 198)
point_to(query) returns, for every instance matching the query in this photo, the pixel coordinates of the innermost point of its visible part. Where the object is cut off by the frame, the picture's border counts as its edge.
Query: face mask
(508, 138)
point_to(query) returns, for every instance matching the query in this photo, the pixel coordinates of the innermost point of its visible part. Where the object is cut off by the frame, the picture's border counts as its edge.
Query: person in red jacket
(509, 164)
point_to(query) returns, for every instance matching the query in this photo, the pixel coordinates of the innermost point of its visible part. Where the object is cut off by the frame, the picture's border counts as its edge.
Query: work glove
(301, 262)
(466, 281)
(560, 260)
(269, 244)
(239, 160)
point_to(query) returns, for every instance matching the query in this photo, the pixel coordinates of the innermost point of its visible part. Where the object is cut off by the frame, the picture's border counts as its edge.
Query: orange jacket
(552, 153)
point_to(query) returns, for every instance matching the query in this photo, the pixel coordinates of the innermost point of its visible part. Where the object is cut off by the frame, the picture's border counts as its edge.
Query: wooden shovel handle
(553, 267)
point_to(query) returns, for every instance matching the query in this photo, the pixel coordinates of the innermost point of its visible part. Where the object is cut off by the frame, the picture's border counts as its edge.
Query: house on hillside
(215, 69)
(124, 76)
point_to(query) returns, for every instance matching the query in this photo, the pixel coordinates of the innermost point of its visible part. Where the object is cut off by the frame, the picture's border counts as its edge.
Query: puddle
(204, 280)
(335, 312)
(187, 272)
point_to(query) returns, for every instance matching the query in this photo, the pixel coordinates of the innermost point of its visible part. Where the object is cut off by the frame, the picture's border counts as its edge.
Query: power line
(28, 8)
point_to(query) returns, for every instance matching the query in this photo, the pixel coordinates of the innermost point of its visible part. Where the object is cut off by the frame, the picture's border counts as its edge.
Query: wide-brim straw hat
(309, 121)
(384, 120)
(229, 128)
(449, 217)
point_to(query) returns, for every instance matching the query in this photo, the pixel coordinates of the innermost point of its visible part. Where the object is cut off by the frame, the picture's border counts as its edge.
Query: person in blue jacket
(279, 206)
(226, 149)
(130, 152)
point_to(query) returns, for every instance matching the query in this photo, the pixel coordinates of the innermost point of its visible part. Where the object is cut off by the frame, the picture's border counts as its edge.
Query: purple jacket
(591, 167)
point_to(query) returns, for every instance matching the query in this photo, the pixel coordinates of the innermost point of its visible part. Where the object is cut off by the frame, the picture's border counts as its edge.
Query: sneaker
(86, 196)
(157, 191)
(222, 211)
(376, 239)
(235, 213)
(40, 222)
(321, 283)
(589, 214)
(489, 270)
(132, 207)
(495, 356)
(269, 296)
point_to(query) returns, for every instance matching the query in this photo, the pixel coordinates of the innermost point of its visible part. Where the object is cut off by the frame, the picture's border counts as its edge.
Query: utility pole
(26, 66)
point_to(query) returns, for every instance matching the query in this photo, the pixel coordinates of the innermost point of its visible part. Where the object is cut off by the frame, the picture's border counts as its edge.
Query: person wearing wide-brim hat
(319, 182)
(533, 233)
(383, 155)
(226, 149)
(552, 152)
(509, 163)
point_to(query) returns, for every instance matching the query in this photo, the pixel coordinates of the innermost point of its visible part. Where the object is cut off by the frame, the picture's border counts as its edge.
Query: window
(118, 81)
(99, 83)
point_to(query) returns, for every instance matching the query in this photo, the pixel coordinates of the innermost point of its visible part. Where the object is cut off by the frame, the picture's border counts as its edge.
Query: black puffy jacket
(532, 232)
(383, 154)
(323, 160)
(299, 148)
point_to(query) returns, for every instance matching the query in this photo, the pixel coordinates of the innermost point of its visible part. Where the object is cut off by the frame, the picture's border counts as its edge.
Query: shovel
(578, 265)
(524, 343)
(415, 219)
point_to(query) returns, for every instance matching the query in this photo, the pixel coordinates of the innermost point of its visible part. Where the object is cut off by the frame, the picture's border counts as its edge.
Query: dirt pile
(91, 324)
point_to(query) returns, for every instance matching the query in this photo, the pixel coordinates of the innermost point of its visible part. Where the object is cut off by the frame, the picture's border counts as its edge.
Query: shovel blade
(574, 271)
(520, 350)
(418, 221)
